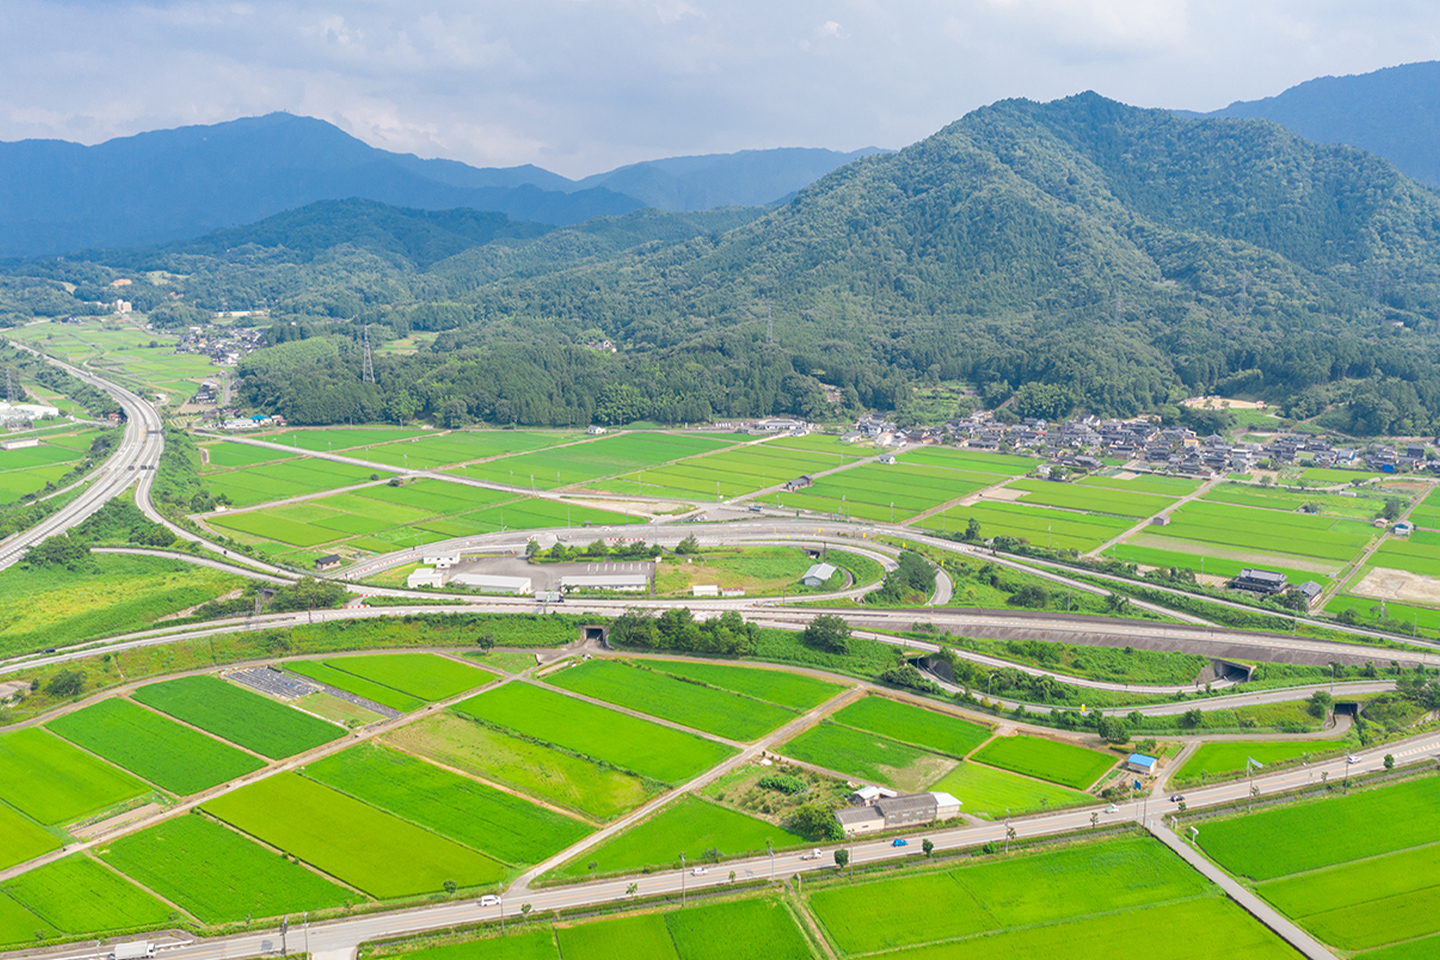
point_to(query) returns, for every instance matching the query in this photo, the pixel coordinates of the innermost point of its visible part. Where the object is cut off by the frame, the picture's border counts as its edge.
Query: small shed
(1162, 520)
(328, 562)
(1403, 529)
(1139, 763)
(705, 590)
(818, 575)
(887, 458)
(425, 577)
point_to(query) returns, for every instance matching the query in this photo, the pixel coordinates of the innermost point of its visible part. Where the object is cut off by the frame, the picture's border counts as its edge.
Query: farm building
(1311, 591)
(621, 582)
(799, 483)
(425, 577)
(1139, 763)
(887, 813)
(26, 411)
(1265, 582)
(493, 583)
(705, 590)
(887, 458)
(1403, 529)
(328, 562)
(1160, 521)
(865, 796)
(817, 575)
(20, 444)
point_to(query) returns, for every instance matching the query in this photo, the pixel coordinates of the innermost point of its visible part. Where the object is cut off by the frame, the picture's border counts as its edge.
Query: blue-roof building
(1140, 763)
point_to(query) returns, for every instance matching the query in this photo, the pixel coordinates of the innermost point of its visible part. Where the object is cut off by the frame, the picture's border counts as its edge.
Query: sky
(582, 86)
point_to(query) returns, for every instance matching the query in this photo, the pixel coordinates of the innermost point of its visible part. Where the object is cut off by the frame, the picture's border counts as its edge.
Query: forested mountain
(749, 178)
(170, 185)
(1079, 254)
(1394, 113)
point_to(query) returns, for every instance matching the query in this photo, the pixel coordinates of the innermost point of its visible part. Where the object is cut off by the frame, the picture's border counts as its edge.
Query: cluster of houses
(253, 422)
(225, 346)
(1380, 457)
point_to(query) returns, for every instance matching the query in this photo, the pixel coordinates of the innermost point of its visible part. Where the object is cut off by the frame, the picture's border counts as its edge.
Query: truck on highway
(134, 950)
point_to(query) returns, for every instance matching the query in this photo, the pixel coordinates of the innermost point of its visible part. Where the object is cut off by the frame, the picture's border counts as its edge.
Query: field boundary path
(1252, 904)
(1195, 494)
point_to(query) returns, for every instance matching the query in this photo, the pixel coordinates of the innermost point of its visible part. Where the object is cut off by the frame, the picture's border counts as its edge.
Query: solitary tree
(1389, 761)
(842, 858)
(1094, 820)
(593, 866)
(451, 887)
(634, 889)
(928, 846)
(1009, 835)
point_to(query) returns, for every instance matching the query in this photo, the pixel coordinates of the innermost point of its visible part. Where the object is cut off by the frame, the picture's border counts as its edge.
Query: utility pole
(682, 880)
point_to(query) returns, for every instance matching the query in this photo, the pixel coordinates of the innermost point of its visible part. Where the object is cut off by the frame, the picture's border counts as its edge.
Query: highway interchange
(133, 462)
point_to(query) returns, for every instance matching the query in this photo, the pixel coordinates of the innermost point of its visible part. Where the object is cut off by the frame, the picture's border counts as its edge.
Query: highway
(134, 458)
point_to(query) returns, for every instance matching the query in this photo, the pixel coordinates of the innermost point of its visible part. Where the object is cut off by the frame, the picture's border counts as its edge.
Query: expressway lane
(134, 458)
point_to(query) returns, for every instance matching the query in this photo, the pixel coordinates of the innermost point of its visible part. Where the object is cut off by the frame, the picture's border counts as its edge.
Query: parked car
(899, 842)
(489, 900)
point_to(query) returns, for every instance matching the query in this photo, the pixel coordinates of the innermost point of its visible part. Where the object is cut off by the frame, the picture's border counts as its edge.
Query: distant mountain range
(1393, 113)
(169, 185)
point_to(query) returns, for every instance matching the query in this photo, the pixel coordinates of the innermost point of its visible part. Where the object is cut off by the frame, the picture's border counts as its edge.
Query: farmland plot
(1073, 496)
(724, 931)
(528, 945)
(53, 782)
(661, 695)
(248, 719)
(22, 840)
(429, 452)
(1062, 529)
(577, 784)
(219, 875)
(1221, 761)
(169, 755)
(593, 460)
(322, 672)
(648, 749)
(1062, 763)
(992, 793)
(427, 676)
(78, 895)
(729, 473)
(1002, 464)
(1280, 841)
(483, 818)
(870, 757)
(18, 925)
(642, 937)
(365, 847)
(1267, 531)
(788, 689)
(690, 826)
(906, 722)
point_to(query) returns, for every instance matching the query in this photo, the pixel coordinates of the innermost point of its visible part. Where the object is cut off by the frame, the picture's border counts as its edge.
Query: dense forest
(1076, 255)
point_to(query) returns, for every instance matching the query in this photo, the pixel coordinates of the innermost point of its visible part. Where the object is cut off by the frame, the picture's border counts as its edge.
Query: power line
(367, 369)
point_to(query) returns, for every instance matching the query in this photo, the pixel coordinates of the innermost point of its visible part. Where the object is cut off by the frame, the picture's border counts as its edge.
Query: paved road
(134, 458)
(339, 938)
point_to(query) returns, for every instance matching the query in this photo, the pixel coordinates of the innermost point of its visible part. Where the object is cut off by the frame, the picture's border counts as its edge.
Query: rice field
(890, 493)
(322, 672)
(28, 469)
(1356, 870)
(730, 473)
(992, 794)
(867, 756)
(219, 875)
(1060, 529)
(22, 839)
(77, 895)
(18, 925)
(426, 676)
(502, 825)
(53, 782)
(1039, 888)
(788, 689)
(244, 718)
(660, 695)
(1214, 762)
(588, 788)
(1063, 763)
(262, 482)
(941, 732)
(979, 461)
(431, 450)
(689, 825)
(1266, 531)
(367, 848)
(1091, 499)
(582, 463)
(168, 754)
(651, 750)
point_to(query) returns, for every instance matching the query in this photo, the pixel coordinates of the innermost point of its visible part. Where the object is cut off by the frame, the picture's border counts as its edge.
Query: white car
(1352, 759)
(698, 871)
(489, 900)
(812, 855)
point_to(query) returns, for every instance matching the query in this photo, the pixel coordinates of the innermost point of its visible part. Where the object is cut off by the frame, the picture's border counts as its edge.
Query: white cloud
(584, 85)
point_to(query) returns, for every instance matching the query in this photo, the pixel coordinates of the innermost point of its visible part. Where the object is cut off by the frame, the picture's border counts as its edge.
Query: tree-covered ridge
(1076, 254)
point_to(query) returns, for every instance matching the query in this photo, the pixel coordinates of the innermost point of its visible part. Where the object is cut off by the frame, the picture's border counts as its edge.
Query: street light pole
(682, 880)
(772, 859)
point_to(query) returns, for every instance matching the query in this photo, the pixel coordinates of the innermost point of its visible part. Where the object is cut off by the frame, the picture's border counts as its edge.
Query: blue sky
(580, 86)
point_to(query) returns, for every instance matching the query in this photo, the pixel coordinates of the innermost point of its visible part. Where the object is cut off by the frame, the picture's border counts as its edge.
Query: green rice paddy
(1063, 763)
(943, 733)
(248, 719)
(78, 895)
(53, 782)
(793, 690)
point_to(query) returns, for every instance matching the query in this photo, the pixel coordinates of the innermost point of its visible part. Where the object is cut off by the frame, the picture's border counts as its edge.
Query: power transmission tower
(9, 387)
(1117, 307)
(769, 324)
(367, 369)
(1245, 295)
